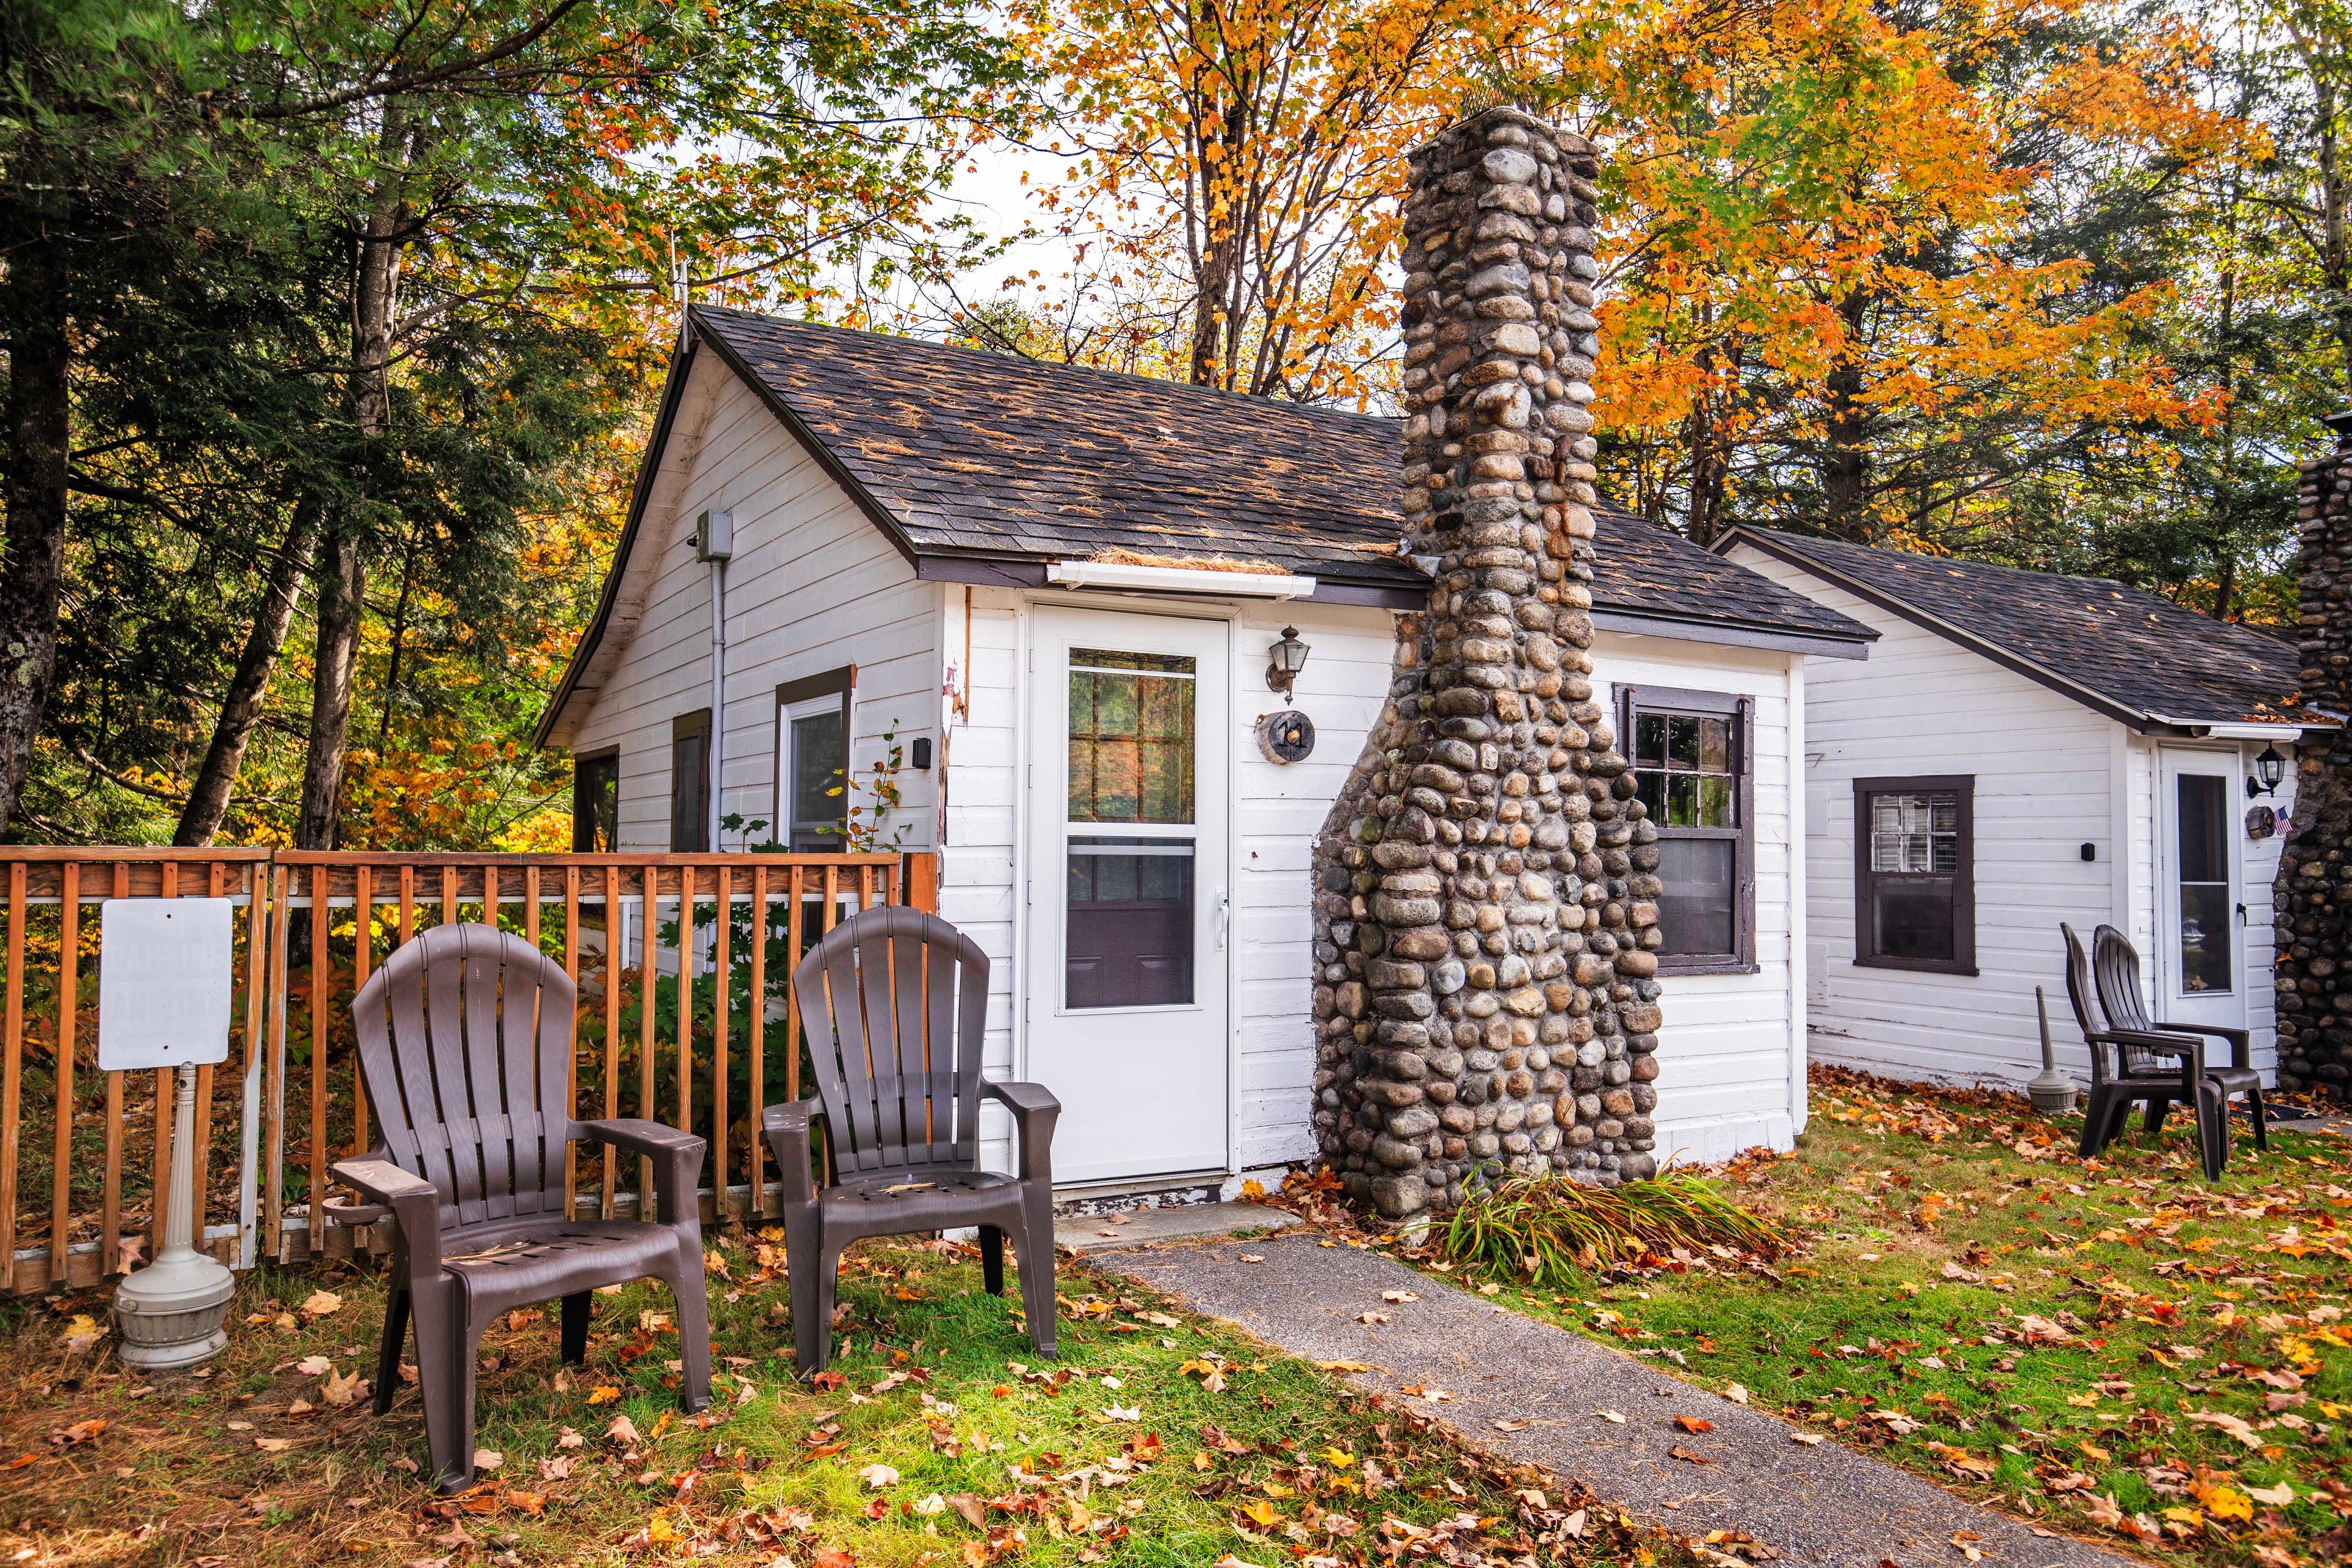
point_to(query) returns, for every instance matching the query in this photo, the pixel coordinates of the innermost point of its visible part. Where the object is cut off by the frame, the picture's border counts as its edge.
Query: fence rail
(682, 965)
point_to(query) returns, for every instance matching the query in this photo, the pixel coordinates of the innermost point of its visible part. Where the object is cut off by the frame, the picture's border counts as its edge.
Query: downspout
(718, 690)
(714, 541)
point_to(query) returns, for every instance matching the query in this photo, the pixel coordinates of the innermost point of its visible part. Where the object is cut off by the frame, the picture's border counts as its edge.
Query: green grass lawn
(2112, 1347)
(1156, 1439)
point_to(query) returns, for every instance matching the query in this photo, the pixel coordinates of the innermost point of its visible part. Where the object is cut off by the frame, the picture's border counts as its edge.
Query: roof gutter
(1121, 576)
(2250, 729)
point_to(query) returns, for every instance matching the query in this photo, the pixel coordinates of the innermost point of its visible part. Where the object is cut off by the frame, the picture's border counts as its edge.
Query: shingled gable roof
(978, 459)
(985, 467)
(2141, 659)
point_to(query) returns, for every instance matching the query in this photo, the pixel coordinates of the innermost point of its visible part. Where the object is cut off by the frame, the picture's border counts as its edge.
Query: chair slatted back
(896, 1004)
(2078, 995)
(464, 1035)
(2115, 970)
(2114, 966)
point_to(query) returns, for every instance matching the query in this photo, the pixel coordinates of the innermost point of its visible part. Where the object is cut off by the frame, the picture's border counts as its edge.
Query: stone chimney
(1485, 886)
(2314, 895)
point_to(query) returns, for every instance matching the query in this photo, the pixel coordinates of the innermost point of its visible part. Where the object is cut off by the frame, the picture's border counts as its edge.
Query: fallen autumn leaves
(2110, 1347)
(932, 1442)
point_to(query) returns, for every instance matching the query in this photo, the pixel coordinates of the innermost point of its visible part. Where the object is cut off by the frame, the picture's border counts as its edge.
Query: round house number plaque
(2262, 823)
(1285, 737)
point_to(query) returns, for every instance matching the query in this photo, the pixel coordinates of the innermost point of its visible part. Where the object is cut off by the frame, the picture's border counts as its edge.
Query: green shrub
(1544, 1228)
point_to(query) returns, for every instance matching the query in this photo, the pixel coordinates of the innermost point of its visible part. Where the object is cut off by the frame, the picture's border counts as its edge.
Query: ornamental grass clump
(1542, 1228)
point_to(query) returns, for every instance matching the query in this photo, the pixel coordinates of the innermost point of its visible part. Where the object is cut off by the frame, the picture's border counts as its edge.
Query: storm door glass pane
(2203, 861)
(1128, 933)
(1131, 737)
(819, 803)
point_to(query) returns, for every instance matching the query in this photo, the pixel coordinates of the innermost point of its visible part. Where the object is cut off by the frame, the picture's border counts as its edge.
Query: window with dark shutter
(1694, 769)
(596, 803)
(689, 782)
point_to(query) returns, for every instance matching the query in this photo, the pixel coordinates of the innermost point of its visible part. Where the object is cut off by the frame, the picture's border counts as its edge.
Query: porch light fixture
(1285, 659)
(2270, 769)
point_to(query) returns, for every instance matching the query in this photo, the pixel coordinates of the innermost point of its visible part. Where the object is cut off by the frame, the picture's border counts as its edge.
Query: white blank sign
(164, 981)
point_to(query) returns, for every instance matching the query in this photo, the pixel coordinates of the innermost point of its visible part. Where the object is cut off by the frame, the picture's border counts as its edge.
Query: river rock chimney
(1485, 885)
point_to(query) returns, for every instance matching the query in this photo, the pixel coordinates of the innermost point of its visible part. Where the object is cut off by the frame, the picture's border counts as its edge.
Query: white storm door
(1126, 995)
(2200, 959)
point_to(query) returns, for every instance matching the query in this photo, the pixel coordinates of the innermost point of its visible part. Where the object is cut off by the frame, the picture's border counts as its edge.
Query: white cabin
(1013, 572)
(2030, 749)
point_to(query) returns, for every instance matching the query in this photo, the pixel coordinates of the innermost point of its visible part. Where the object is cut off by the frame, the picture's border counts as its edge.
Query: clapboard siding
(813, 585)
(2051, 775)
(1730, 1056)
(1277, 810)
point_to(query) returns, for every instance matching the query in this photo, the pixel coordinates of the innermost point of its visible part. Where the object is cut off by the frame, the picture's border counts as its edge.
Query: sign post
(165, 979)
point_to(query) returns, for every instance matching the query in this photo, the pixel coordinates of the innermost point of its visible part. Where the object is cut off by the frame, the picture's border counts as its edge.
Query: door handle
(1224, 915)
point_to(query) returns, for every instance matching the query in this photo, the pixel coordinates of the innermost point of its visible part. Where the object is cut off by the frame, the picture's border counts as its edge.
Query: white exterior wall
(2051, 775)
(813, 585)
(1731, 1055)
(1731, 1051)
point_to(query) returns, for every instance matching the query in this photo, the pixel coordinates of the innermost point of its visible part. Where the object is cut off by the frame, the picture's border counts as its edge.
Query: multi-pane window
(1128, 940)
(1915, 896)
(1692, 770)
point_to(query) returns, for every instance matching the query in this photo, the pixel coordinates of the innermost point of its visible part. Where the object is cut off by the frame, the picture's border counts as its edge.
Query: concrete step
(1186, 1221)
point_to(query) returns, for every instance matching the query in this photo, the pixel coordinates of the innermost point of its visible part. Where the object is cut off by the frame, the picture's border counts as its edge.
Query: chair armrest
(676, 1157)
(638, 1136)
(786, 1126)
(1034, 1112)
(2242, 1042)
(2191, 1050)
(414, 1204)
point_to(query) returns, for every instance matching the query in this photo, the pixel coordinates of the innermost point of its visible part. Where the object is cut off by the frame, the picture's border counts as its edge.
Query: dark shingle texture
(2128, 645)
(992, 455)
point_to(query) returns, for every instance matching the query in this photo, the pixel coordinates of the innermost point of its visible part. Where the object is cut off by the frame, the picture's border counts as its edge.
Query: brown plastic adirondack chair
(464, 1037)
(2128, 1067)
(2115, 967)
(896, 1002)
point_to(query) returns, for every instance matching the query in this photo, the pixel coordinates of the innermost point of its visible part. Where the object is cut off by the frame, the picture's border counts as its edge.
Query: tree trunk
(249, 686)
(2335, 245)
(342, 570)
(1216, 262)
(33, 567)
(1845, 467)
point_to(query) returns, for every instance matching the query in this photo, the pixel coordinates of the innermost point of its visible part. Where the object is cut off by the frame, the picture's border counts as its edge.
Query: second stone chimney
(2314, 895)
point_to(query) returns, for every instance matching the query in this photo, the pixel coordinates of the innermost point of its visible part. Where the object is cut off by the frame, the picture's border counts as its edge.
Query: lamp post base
(170, 1313)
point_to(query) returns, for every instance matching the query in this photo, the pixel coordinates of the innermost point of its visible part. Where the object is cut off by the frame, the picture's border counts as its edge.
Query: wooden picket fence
(79, 1165)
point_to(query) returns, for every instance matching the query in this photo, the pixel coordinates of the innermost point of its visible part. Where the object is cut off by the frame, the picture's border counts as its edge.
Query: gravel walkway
(1533, 1392)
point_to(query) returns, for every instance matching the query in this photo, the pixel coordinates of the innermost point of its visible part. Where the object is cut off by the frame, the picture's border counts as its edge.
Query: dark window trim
(824, 683)
(1964, 880)
(580, 761)
(1741, 710)
(687, 724)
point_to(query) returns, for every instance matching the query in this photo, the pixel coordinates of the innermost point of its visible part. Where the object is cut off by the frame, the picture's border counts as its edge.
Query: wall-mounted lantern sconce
(1285, 659)
(2269, 768)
